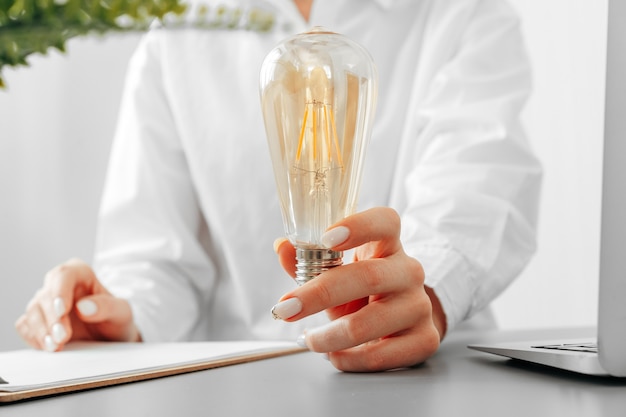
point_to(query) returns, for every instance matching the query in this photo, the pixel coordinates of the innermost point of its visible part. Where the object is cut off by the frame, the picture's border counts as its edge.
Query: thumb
(111, 318)
(286, 255)
(100, 308)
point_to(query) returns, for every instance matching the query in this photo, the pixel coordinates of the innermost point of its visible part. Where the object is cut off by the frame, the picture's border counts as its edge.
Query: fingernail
(49, 344)
(59, 307)
(58, 333)
(87, 307)
(287, 308)
(301, 341)
(279, 242)
(335, 236)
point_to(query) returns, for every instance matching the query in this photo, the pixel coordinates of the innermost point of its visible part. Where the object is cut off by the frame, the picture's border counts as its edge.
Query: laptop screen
(612, 294)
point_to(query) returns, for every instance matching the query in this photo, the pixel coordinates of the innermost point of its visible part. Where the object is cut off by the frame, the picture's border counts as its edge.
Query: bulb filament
(321, 118)
(318, 124)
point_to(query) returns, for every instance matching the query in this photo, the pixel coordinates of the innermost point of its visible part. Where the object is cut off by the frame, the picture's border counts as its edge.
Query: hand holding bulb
(382, 315)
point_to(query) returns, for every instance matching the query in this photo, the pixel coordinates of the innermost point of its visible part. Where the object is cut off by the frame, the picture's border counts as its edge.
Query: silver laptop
(605, 354)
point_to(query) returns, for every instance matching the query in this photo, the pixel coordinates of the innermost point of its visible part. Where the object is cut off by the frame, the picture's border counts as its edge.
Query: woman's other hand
(74, 305)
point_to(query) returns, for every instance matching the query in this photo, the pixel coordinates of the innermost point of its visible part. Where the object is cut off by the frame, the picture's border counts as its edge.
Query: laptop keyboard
(576, 347)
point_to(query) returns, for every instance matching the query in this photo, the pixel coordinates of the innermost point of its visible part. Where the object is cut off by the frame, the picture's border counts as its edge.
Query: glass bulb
(318, 96)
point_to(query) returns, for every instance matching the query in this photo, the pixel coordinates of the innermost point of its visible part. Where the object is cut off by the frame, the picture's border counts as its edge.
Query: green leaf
(36, 26)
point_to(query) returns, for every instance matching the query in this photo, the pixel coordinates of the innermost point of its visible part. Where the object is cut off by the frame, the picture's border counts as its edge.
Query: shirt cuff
(450, 277)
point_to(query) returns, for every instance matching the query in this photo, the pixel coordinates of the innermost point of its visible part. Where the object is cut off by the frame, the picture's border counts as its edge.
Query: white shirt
(190, 208)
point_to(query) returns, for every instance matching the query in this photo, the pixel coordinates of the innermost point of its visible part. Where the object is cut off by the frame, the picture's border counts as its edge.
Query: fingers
(67, 282)
(339, 286)
(44, 324)
(32, 326)
(381, 315)
(376, 233)
(390, 332)
(50, 319)
(377, 307)
(378, 225)
(386, 316)
(34, 329)
(398, 351)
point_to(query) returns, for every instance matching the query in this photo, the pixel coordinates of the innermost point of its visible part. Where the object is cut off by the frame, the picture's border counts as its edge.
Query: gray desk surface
(456, 382)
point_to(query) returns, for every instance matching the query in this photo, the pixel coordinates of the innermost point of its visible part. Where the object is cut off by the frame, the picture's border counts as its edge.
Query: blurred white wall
(57, 118)
(565, 120)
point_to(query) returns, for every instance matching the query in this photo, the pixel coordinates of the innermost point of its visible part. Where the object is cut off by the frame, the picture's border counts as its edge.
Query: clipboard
(28, 373)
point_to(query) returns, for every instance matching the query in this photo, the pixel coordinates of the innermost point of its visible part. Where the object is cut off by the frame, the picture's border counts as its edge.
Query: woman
(449, 194)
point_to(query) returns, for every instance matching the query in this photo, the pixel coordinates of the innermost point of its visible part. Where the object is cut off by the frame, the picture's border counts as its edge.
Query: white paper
(91, 361)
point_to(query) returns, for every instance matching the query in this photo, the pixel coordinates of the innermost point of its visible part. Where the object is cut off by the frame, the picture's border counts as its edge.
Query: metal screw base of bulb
(312, 262)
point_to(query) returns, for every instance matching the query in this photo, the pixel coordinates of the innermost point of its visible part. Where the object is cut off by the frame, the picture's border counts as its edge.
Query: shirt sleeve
(150, 231)
(470, 184)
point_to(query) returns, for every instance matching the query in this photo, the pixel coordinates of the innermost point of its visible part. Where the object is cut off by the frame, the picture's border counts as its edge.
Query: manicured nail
(287, 308)
(279, 242)
(58, 333)
(49, 344)
(335, 236)
(301, 341)
(59, 307)
(87, 307)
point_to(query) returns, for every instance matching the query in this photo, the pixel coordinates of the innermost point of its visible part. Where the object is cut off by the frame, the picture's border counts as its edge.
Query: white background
(57, 119)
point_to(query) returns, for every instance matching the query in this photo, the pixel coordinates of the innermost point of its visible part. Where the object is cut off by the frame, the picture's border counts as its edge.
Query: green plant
(36, 26)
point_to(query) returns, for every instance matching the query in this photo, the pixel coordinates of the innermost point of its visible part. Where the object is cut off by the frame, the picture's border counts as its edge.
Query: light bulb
(318, 96)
